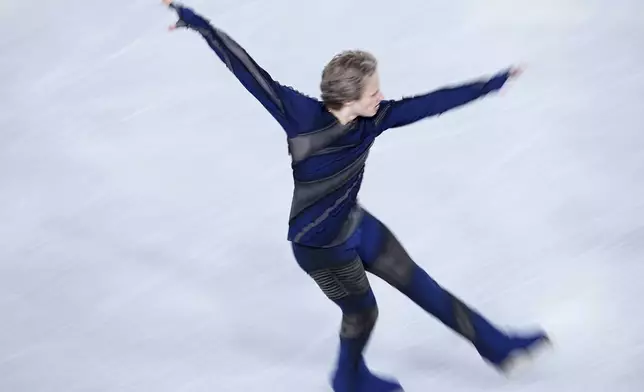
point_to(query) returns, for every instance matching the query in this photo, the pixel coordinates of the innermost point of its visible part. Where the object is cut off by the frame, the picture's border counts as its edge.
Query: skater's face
(369, 102)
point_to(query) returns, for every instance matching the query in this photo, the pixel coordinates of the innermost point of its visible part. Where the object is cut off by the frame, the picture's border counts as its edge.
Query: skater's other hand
(187, 17)
(170, 4)
(515, 72)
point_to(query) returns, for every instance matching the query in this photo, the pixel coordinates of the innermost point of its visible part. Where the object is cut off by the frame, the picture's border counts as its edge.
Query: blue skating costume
(334, 239)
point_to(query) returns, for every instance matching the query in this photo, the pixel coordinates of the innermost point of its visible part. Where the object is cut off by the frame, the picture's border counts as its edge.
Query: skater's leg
(385, 257)
(340, 274)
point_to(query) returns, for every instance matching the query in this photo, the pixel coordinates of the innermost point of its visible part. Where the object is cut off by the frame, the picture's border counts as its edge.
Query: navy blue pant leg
(340, 274)
(384, 256)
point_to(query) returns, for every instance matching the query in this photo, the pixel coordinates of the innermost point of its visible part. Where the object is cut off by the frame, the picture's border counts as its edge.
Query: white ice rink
(144, 195)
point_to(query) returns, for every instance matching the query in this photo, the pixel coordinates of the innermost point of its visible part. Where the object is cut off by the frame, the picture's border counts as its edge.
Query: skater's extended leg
(340, 274)
(385, 257)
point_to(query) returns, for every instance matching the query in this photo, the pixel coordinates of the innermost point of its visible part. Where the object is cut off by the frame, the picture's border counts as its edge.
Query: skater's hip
(328, 230)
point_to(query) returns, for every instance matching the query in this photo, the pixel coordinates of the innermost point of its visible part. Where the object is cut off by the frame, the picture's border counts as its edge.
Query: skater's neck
(344, 115)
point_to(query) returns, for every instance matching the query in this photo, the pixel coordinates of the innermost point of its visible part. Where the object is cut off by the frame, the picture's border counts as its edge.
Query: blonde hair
(343, 78)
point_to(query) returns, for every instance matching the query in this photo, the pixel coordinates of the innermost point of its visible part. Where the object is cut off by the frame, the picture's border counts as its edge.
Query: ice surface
(135, 254)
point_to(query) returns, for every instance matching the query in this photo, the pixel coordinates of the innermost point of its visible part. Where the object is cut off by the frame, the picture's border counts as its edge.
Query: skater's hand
(514, 72)
(187, 17)
(510, 74)
(170, 4)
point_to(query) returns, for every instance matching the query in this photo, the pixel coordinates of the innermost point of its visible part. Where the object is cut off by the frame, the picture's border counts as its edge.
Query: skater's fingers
(172, 4)
(179, 24)
(169, 4)
(519, 69)
(515, 72)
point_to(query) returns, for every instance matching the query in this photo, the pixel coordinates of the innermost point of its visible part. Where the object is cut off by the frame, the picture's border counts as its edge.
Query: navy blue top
(328, 158)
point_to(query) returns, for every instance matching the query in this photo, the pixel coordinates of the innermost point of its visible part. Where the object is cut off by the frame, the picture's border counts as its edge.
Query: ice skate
(363, 380)
(519, 352)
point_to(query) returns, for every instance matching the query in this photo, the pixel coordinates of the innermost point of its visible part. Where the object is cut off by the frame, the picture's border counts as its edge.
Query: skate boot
(518, 350)
(362, 380)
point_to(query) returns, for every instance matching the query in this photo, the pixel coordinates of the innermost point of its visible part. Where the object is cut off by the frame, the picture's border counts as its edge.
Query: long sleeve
(396, 113)
(282, 102)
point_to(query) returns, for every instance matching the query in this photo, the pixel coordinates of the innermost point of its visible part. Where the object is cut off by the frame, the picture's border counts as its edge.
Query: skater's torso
(328, 168)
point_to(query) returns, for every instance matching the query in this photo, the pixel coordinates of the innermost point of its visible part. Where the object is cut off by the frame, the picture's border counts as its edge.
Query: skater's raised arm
(396, 113)
(280, 101)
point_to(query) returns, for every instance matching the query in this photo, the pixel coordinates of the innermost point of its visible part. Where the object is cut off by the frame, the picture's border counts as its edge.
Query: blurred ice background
(135, 254)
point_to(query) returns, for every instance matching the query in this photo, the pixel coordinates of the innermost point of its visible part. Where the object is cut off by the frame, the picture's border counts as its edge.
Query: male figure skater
(334, 239)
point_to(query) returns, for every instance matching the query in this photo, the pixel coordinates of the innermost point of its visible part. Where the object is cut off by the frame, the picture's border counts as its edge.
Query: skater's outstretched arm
(282, 102)
(396, 113)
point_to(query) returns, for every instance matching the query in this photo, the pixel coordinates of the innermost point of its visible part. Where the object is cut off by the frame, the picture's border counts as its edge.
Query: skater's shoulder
(308, 113)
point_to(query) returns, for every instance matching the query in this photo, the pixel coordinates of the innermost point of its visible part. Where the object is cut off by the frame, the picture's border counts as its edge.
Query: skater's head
(350, 84)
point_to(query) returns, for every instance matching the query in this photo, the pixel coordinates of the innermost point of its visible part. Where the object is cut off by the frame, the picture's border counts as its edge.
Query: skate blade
(519, 361)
